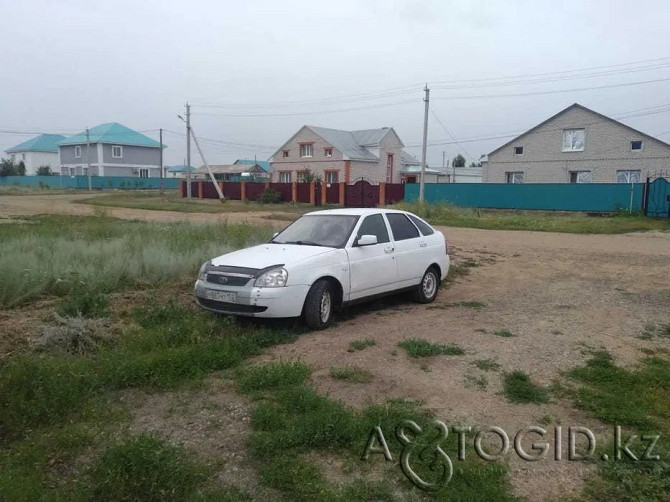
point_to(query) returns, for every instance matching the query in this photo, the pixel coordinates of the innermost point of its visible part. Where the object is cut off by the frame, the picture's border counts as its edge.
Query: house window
(628, 176)
(285, 177)
(332, 177)
(306, 150)
(23, 156)
(514, 177)
(328, 152)
(636, 145)
(580, 176)
(117, 152)
(518, 150)
(73, 171)
(285, 154)
(300, 176)
(573, 140)
(77, 152)
(144, 172)
(84, 170)
(13, 157)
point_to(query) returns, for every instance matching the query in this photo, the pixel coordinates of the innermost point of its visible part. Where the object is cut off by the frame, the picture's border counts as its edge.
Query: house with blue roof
(263, 164)
(39, 151)
(111, 149)
(179, 171)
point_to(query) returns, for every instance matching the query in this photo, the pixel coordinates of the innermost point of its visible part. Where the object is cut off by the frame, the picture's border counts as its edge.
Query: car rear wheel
(318, 310)
(426, 291)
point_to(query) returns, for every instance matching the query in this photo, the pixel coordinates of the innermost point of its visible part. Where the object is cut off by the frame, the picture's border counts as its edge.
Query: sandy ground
(562, 295)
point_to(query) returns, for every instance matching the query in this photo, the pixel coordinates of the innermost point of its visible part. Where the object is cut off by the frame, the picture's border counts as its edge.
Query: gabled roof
(226, 169)
(263, 164)
(407, 159)
(352, 143)
(179, 169)
(573, 106)
(111, 133)
(42, 143)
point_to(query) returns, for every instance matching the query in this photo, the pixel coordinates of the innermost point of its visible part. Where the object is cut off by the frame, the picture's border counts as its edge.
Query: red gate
(361, 193)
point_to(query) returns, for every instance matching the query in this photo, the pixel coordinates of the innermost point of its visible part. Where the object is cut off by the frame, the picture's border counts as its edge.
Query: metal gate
(361, 193)
(657, 195)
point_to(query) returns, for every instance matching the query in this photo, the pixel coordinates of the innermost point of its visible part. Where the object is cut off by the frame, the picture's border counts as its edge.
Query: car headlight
(203, 271)
(275, 278)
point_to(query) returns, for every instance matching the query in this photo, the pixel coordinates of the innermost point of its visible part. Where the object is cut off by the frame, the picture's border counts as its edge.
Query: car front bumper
(249, 301)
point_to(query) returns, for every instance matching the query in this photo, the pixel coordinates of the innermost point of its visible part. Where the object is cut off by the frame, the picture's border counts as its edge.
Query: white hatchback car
(324, 261)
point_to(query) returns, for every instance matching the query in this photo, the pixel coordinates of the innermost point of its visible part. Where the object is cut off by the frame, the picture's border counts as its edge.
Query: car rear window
(422, 225)
(401, 227)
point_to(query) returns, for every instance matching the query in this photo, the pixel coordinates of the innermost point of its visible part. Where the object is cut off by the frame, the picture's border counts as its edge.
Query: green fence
(97, 182)
(596, 197)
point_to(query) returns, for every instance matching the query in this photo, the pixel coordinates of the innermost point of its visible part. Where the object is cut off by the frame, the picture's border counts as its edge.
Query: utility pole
(88, 160)
(161, 160)
(423, 148)
(443, 169)
(188, 151)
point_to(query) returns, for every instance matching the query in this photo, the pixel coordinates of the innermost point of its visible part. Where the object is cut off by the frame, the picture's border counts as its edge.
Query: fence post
(312, 194)
(294, 192)
(243, 190)
(382, 194)
(323, 193)
(182, 187)
(200, 190)
(267, 185)
(342, 193)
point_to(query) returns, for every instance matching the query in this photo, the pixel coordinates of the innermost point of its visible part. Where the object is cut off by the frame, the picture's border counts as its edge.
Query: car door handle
(389, 249)
(422, 244)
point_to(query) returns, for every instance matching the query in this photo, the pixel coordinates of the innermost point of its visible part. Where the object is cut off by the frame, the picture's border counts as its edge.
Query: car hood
(266, 255)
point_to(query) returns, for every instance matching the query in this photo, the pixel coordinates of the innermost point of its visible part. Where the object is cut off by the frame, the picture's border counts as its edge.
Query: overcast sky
(265, 68)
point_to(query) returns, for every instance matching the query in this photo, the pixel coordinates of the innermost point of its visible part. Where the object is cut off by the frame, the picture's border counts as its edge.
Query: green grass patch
(272, 376)
(417, 347)
(58, 255)
(540, 221)
(518, 388)
(473, 304)
(350, 374)
(652, 330)
(504, 333)
(487, 365)
(361, 344)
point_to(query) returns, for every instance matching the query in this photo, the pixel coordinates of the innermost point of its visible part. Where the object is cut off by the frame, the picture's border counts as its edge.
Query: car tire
(318, 310)
(426, 291)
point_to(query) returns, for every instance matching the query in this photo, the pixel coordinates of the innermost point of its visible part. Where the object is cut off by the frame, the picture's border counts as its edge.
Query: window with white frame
(332, 177)
(73, 171)
(143, 172)
(515, 177)
(306, 150)
(84, 170)
(628, 176)
(636, 145)
(117, 152)
(328, 152)
(77, 152)
(573, 140)
(580, 176)
(300, 176)
(285, 177)
(518, 150)
(285, 154)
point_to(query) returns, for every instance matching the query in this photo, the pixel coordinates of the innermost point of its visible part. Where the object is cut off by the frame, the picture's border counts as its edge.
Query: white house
(39, 151)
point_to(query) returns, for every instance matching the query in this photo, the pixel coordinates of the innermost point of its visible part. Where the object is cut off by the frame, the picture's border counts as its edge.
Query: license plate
(221, 296)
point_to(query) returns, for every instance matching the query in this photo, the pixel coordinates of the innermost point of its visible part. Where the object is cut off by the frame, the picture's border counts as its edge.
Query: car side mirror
(367, 240)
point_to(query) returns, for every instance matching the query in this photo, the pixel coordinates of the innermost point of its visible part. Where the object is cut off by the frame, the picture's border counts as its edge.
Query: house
(232, 172)
(336, 155)
(411, 171)
(112, 150)
(577, 145)
(39, 151)
(178, 171)
(263, 164)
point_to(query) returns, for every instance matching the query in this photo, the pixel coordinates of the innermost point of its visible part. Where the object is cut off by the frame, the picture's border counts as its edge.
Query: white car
(324, 261)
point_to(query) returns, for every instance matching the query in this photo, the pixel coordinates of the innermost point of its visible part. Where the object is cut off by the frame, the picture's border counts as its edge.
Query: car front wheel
(426, 291)
(319, 305)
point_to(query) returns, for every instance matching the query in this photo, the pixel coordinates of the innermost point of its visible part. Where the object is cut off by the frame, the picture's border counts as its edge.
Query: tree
(21, 169)
(8, 167)
(44, 171)
(308, 176)
(459, 161)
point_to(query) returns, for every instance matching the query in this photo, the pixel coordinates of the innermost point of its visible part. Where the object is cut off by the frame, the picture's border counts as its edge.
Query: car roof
(354, 211)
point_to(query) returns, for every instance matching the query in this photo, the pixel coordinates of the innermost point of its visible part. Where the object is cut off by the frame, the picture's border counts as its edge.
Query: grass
(173, 201)
(63, 255)
(518, 388)
(355, 345)
(487, 365)
(474, 304)
(652, 331)
(350, 374)
(504, 333)
(539, 221)
(637, 399)
(417, 347)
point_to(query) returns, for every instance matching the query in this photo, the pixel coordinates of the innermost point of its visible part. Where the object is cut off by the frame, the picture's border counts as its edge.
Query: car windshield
(318, 230)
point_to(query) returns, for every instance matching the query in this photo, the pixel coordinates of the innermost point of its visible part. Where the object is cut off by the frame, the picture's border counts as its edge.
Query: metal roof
(263, 164)
(179, 169)
(408, 160)
(42, 143)
(111, 133)
(226, 169)
(348, 142)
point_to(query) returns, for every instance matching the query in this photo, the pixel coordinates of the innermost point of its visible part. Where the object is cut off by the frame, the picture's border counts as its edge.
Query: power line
(450, 135)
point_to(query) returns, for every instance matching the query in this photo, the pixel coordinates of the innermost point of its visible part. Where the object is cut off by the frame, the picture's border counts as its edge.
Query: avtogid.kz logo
(440, 468)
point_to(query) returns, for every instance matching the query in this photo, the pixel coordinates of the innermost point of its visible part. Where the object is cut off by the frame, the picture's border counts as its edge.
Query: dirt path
(561, 295)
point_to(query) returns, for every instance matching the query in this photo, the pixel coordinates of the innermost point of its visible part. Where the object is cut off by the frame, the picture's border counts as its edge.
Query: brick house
(577, 145)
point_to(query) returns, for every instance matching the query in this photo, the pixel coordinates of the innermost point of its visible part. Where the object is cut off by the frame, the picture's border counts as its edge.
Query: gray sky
(69, 64)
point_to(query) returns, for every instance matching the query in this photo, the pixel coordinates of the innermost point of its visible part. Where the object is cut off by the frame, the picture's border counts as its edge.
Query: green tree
(45, 171)
(459, 161)
(21, 169)
(7, 167)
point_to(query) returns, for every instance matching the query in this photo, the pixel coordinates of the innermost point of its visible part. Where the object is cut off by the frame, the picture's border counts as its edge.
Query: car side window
(421, 225)
(374, 225)
(401, 227)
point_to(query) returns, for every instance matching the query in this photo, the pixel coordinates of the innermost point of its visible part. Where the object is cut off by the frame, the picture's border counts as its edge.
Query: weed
(473, 304)
(353, 375)
(478, 382)
(519, 389)
(487, 365)
(505, 333)
(76, 335)
(84, 302)
(417, 347)
(361, 344)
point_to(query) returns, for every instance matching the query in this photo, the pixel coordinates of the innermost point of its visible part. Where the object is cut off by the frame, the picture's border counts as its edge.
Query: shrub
(270, 196)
